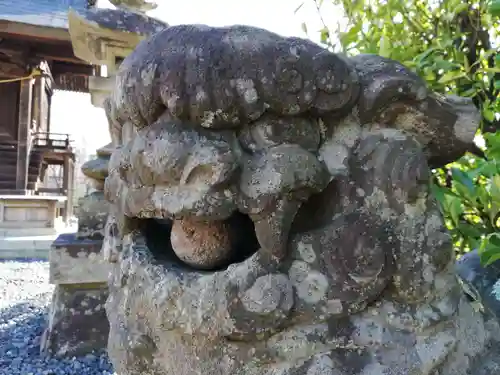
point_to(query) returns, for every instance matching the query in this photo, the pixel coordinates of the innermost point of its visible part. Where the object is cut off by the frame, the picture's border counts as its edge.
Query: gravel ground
(25, 295)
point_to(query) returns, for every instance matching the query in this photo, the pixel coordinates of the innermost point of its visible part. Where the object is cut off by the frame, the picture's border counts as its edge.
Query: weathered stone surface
(342, 264)
(96, 169)
(488, 364)
(228, 77)
(93, 210)
(77, 320)
(135, 5)
(481, 283)
(123, 20)
(105, 151)
(74, 261)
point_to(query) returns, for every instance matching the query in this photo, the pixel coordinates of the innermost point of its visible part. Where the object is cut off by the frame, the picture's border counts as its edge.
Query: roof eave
(34, 31)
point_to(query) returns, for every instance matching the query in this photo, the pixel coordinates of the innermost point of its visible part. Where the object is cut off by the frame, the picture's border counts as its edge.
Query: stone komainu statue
(271, 212)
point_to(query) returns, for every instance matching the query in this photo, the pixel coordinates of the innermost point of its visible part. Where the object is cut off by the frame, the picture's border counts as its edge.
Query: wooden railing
(52, 140)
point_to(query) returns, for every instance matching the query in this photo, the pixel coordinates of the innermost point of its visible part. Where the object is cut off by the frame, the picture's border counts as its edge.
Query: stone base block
(77, 322)
(75, 261)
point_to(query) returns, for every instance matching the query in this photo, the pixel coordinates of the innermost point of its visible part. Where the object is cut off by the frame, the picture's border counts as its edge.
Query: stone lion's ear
(384, 81)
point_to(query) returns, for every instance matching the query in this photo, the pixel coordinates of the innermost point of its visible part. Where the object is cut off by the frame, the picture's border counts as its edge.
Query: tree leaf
(304, 27)
(350, 36)
(385, 47)
(483, 196)
(495, 188)
(299, 7)
(461, 7)
(489, 250)
(465, 180)
(451, 76)
(488, 114)
(490, 255)
(438, 192)
(469, 230)
(325, 36)
(454, 207)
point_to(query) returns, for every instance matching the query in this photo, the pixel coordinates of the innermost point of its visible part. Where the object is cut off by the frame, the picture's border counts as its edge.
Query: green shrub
(468, 191)
(452, 44)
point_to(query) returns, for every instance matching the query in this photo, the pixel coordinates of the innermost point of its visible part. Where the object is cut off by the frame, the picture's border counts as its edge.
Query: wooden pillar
(45, 101)
(23, 133)
(68, 186)
(35, 104)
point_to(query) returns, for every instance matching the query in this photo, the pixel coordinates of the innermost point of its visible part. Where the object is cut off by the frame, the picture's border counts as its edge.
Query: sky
(73, 113)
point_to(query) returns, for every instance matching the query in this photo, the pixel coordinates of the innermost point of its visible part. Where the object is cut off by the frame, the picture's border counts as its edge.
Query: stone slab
(27, 232)
(26, 248)
(57, 198)
(74, 261)
(77, 322)
(29, 242)
(31, 253)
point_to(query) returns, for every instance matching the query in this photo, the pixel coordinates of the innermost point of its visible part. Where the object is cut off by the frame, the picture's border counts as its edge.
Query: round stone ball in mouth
(201, 244)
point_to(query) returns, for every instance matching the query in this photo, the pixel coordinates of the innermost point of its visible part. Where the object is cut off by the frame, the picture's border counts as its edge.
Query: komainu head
(224, 134)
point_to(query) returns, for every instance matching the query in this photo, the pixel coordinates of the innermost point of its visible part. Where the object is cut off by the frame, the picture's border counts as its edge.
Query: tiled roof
(49, 13)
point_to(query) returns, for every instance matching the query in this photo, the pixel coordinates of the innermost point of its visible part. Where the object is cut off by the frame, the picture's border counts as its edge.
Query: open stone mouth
(203, 245)
(239, 243)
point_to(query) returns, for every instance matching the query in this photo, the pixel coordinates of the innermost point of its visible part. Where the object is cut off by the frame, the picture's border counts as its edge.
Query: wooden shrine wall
(9, 104)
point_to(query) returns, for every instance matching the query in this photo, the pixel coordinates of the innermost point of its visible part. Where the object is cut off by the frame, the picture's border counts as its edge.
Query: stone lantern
(77, 322)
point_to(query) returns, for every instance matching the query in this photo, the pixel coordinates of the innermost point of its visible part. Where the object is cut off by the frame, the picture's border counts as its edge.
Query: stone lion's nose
(273, 185)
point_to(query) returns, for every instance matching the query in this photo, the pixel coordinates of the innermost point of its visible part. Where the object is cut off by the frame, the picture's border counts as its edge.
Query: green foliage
(469, 195)
(453, 45)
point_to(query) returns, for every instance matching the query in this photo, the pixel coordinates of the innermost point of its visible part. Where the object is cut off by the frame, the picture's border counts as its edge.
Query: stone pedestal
(77, 321)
